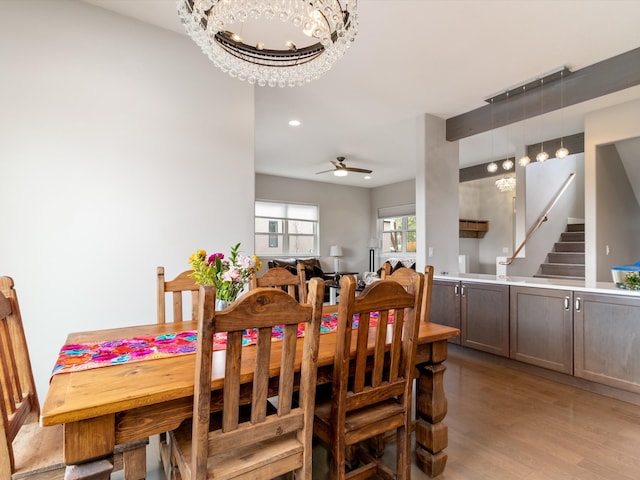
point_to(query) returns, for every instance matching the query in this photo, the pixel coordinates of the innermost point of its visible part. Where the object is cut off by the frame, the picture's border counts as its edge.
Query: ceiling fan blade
(359, 170)
(325, 171)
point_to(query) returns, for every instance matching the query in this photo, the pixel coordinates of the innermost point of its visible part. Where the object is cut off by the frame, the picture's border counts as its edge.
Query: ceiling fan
(341, 170)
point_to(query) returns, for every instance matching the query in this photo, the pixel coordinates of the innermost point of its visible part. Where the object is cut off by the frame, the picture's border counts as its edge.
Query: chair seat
(38, 450)
(262, 460)
(361, 424)
(38, 454)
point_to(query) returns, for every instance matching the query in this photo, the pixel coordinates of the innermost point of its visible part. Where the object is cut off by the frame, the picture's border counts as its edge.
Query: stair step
(572, 236)
(562, 277)
(563, 269)
(575, 227)
(566, 257)
(569, 247)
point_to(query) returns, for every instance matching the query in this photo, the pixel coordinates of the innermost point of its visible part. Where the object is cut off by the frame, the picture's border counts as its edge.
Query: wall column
(437, 204)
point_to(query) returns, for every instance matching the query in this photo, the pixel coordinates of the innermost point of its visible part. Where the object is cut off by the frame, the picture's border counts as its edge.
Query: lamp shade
(335, 251)
(373, 243)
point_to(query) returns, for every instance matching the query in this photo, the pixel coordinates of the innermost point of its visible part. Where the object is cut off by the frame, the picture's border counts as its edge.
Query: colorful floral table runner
(84, 356)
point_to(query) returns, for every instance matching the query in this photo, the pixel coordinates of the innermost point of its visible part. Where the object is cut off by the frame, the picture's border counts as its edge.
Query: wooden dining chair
(183, 290)
(267, 444)
(28, 451)
(404, 276)
(180, 288)
(279, 277)
(370, 398)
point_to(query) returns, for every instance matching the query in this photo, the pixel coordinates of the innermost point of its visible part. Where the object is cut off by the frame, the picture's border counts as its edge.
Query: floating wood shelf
(473, 228)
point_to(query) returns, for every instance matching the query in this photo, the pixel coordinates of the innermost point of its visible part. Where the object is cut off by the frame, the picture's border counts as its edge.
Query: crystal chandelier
(316, 34)
(506, 184)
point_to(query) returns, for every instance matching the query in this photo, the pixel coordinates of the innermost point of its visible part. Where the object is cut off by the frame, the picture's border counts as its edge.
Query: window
(398, 229)
(286, 229)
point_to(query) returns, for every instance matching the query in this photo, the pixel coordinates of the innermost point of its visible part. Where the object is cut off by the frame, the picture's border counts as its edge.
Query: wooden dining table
(101, 407)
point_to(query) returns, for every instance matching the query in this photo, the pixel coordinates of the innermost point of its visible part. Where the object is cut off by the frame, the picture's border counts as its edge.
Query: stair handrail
(541, 220)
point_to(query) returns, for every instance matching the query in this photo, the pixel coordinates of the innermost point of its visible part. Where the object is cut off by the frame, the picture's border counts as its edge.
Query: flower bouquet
(229, 275)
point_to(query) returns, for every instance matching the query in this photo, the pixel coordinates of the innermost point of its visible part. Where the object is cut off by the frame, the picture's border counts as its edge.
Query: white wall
(344, 216)
(609, 125)
(543, 181)
(618, 214)
(121, 148)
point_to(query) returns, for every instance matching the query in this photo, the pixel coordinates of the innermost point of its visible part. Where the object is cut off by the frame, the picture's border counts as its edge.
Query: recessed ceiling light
(294, 123)
(367, 177)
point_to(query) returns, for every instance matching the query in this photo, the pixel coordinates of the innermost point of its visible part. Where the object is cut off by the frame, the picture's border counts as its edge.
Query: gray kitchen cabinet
(541, 327)
(445, 305)
(484, 317)
(479, 310)
(607, 339)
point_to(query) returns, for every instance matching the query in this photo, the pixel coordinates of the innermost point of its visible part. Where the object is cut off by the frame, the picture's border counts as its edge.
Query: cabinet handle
(456, 290)
(578, 304)
(462, 291)
(567, 303)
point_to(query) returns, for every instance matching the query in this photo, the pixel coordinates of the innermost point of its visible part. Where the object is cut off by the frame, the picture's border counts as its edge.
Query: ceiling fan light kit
(341, 169)
(227, 30)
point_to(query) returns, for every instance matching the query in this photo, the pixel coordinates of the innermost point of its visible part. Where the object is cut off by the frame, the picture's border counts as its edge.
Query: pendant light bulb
(524, 161)
(542, 156)
(562, 152)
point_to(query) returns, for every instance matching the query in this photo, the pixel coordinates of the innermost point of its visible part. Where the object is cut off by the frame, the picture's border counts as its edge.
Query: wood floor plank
(507, 423)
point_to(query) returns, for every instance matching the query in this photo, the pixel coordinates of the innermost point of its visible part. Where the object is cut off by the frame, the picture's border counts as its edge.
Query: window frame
(404, 233)
(285, 235)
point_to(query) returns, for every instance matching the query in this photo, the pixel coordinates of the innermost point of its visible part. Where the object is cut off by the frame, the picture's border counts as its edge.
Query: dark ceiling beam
(602, 78)
(574, 143)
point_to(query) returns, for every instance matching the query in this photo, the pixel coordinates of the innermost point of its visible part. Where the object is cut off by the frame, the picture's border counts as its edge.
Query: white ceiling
(411, 57)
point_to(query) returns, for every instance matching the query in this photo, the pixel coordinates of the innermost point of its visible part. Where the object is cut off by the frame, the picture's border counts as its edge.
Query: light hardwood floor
(506, 423)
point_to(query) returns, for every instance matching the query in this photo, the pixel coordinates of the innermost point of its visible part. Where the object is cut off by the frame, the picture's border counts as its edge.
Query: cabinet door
(607, 339)
(485, 317)
(445, 305)
(542, 327)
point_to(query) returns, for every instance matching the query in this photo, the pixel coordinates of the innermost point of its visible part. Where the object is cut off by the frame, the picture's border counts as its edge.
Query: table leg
(431, 407)
(88, 448)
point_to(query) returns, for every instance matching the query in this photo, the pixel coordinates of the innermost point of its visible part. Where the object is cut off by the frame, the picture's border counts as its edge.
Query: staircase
(567, 258)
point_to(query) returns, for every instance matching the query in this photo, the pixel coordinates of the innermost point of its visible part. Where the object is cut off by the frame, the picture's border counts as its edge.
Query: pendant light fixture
(524, 160)
(542, 156)
(493, 166)
(562, 152)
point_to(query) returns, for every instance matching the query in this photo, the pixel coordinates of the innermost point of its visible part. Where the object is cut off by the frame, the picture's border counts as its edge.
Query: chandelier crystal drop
(506, 184)
(323, 30)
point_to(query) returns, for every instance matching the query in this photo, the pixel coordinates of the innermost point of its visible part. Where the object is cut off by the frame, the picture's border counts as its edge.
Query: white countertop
(558, 284)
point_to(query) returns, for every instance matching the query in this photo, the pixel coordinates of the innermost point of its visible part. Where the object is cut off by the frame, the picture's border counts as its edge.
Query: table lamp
(335, 251)
(373, 244)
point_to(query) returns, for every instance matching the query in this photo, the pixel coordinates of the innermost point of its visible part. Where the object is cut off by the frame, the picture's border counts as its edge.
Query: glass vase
(222, 304)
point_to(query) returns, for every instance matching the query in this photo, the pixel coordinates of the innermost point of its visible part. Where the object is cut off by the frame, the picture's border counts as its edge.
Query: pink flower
(232, 275)
(212, 258)
(246, 263)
